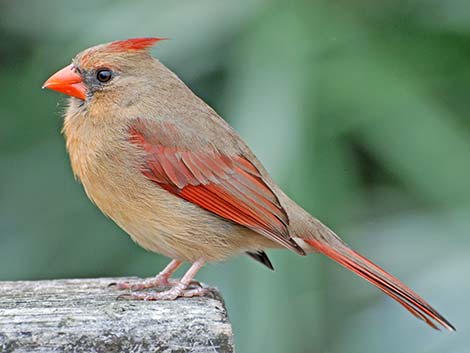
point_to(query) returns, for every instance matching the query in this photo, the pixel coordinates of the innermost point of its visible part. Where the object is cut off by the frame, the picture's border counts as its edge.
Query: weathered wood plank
(84, 315)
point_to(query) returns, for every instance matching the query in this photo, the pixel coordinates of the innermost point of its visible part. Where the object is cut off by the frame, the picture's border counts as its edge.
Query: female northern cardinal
(174, 175)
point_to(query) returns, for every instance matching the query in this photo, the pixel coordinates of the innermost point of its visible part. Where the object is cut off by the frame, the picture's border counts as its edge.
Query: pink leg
(179, 290)
(162, 279)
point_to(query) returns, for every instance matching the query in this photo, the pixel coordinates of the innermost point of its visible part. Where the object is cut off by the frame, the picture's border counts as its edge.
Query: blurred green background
(358, 109)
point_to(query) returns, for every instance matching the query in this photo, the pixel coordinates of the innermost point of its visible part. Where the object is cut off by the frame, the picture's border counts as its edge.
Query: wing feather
(229, 186)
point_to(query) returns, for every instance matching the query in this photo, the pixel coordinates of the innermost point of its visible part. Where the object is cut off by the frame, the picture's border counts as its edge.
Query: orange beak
(67, 81)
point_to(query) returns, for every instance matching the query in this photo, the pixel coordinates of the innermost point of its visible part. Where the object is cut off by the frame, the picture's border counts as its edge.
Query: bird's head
(110, 67)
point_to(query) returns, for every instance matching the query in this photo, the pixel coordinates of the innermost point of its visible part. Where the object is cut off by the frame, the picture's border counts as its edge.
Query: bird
(174, 175)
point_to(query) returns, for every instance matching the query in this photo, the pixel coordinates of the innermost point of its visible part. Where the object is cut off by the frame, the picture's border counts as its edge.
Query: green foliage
(359, 110)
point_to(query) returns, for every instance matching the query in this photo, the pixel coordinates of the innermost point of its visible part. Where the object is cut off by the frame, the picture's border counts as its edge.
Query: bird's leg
(162, 279)
(181, 289)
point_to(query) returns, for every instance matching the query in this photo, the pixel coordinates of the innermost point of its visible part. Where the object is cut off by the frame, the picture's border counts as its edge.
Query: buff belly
(166, 224)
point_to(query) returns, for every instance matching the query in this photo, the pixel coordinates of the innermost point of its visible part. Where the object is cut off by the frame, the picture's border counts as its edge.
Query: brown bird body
(174, 175)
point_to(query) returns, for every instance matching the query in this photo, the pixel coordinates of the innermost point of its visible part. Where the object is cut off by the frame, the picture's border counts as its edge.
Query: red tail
(384, 281)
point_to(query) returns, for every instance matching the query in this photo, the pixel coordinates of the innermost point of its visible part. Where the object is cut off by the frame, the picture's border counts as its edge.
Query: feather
(383, 280)
(133, 44)
(261, 257)
(229, 186)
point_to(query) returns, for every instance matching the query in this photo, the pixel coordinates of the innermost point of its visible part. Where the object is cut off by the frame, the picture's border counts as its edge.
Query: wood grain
(84, 315)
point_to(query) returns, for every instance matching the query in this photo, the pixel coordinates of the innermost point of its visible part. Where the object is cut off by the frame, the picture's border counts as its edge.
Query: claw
(152, 283)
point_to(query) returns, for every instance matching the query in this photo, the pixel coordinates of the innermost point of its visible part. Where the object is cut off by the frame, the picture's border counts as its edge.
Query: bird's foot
(177, 291)
(158, 281)
(149, 283)
(186, 287)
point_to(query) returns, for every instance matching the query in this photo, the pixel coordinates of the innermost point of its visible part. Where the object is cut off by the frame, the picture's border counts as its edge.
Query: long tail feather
(383, 280)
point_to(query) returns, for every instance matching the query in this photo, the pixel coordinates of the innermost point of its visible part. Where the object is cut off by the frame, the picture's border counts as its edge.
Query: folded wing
(229, 186)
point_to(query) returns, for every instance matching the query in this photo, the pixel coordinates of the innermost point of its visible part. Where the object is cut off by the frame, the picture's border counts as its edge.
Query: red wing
(231, 187)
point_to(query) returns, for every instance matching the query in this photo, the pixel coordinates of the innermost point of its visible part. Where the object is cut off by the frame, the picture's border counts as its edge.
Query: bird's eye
(104, 75)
